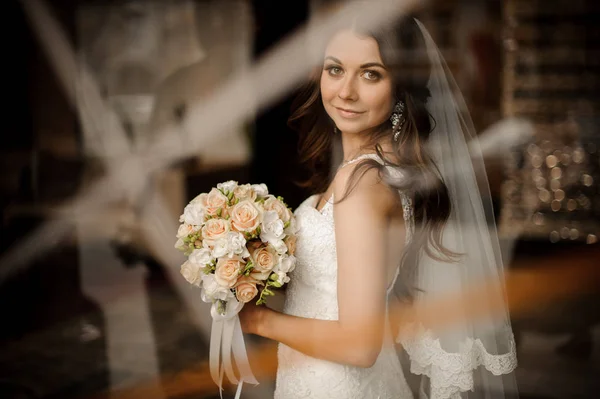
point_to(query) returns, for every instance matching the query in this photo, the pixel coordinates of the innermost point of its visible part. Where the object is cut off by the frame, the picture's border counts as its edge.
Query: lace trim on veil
(451, 373)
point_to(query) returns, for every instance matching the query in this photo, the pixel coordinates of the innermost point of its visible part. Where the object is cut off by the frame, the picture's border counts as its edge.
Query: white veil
(472, 354)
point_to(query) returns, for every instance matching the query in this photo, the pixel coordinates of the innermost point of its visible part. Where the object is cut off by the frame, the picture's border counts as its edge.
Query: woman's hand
(252, 317)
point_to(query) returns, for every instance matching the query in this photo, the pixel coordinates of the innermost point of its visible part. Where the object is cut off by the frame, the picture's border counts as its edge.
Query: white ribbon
(226, 338)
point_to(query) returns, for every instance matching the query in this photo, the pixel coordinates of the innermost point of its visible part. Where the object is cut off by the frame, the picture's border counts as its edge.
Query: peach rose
(185, 230)
(245, 289)
(264, 259)
(260, 276)
(273, 204)
(290, 242)
(228, 271)
(244, 191)
(245, 216)
(213, 201)
(215, 228)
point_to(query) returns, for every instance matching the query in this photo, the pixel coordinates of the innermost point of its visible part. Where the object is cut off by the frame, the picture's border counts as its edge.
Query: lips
(348, 113)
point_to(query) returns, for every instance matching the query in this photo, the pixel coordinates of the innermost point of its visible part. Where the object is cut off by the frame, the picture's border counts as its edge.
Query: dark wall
(17, 133)
(276, 146)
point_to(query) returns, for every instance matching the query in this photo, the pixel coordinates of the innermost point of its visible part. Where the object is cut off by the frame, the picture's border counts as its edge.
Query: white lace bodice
(312, 293)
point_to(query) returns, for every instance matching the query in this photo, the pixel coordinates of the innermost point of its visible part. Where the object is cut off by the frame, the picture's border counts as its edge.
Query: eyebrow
(363, 66)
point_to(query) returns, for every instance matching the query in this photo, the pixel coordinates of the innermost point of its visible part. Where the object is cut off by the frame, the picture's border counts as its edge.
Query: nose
(348, 91)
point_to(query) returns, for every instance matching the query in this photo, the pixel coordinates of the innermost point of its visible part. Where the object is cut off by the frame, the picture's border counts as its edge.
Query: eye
(334, 70)
(371, 75)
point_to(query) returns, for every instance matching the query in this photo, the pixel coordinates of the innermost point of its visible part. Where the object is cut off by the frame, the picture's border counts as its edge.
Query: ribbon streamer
(226, 339)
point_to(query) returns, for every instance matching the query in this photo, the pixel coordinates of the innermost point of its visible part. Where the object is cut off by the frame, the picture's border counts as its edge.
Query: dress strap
(374, 157)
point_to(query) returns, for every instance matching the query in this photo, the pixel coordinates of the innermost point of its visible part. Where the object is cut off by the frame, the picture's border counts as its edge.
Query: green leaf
(286, 224)
(219, 212)
(247, 269)
(273, 277)
(276, 284)
(230, 195)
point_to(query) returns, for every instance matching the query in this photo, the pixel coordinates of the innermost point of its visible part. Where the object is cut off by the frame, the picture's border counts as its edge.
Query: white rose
(279, 246)
(282, 277)
(191, 272)
(260, 189)
(227, 186)
(199, 199)
(286, 264)
(220, 247)
(193, 213)
(201, 256)
(272, 227)
(213, 291)
(292, 228)
(236, 243)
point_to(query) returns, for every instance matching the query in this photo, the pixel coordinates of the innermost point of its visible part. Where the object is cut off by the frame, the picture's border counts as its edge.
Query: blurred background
(102, 313)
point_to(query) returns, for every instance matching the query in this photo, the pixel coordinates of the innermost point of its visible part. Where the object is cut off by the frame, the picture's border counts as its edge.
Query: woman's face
(355, 86)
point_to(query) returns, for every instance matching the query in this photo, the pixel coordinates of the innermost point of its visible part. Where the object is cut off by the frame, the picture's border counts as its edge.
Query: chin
(350, 128)
(353, 129)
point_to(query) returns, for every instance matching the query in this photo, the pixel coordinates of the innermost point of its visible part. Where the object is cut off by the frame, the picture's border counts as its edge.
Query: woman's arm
(356, 337)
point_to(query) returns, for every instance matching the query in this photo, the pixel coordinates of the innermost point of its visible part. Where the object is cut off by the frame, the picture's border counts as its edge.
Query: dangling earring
(397, 119)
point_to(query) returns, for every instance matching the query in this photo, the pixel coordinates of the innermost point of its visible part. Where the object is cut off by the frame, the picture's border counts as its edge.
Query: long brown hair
(403, 51)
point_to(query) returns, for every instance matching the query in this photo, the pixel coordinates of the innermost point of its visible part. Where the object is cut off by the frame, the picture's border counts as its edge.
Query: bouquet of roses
(240, 242)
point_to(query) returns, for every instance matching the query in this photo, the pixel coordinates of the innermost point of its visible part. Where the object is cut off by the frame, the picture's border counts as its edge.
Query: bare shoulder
(367, 189)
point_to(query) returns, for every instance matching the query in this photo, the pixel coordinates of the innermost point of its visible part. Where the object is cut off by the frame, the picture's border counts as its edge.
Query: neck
(352, 146)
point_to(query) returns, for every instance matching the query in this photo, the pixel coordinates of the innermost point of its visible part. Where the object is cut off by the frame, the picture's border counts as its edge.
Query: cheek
(327, 89)
(380, 102)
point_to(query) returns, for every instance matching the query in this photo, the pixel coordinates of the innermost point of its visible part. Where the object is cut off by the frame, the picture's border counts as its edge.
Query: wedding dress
(312, 293)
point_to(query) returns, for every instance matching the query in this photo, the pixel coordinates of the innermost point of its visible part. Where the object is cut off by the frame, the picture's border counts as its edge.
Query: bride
(401, 222)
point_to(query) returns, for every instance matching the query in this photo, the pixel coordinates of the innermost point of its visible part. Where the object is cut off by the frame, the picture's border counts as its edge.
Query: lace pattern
(451, 373)
(407, 211)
